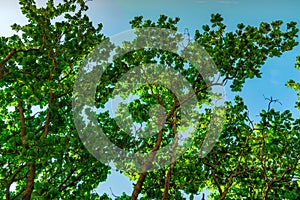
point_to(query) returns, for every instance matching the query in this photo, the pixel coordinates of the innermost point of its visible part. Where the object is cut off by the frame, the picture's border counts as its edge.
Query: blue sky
(115, 15)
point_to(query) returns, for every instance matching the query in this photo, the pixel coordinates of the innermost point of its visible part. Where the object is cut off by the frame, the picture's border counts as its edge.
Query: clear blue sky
(115, 15)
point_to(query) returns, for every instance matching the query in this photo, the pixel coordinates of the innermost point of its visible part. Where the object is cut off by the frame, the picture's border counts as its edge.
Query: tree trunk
(30, 181)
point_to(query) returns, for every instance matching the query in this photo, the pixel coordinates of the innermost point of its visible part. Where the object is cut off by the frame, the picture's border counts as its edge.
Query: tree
(255, 160)
(294, 85)
(238, 56)
(41, 151)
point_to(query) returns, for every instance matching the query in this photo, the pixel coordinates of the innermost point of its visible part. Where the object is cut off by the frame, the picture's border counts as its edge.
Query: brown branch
(13, 51)
(68, 74)
(223, 195)
(12, 179)
(268, 185)
(67, 178)
(10, 55)
(237, 172)
(191, 93)
(30, 181)
(214, 175)
(23, 71)
(217, 181)
(261, 158)
(51, 97)
(23, 125)
(48, 115)
(62, 94)
(139, 184)
(73, 183)
(151, 89)
(17, 195)
(170, 171)
(38, 130)
(7, 193)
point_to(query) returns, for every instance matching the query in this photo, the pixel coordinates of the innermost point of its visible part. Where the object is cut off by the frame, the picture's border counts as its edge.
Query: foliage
(294, 85)
(244, 161)
(255, 160)
(43, 156)
(41, 153)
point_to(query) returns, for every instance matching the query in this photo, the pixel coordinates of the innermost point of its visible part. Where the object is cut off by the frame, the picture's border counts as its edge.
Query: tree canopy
(294, 85)
(44, 154)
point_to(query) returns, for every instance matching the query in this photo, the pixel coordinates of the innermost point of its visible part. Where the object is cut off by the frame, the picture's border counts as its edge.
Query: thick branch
(170, 171)
(139, 184)
(30, 181)
(23, 126)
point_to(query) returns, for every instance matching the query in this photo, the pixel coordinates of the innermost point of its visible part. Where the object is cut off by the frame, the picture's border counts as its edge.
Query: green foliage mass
(294, 85)
(43, 156)
(41, 152)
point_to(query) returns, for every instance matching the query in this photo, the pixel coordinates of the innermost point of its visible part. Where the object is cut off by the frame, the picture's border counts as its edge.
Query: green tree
(240, 162)
(294, 85)
(245, 161)
(43, 156)
(41, 153)
(255, 160)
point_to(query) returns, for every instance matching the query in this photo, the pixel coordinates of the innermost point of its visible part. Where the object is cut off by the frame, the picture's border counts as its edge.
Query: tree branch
(12, 179)
(30, 181)
(139, 184)
(170, 171)
(68, 177)
(51, 97)
(23, 125)
(10, 55)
